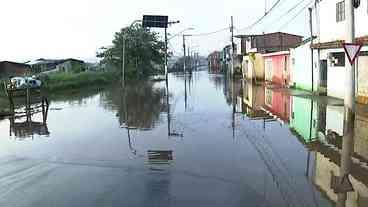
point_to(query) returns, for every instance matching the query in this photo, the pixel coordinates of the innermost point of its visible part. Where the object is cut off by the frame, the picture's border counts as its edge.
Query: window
(338, 59)
(340, 11)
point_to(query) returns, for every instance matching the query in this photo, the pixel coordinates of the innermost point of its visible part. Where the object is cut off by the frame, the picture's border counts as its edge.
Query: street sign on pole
(155, 21)
(352, 51)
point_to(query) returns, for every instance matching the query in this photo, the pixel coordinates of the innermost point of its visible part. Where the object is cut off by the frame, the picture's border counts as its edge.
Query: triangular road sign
(352, 51)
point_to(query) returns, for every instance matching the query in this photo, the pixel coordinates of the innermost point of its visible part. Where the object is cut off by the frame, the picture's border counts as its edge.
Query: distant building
(214, 62)
(56, 65)
(8, 69)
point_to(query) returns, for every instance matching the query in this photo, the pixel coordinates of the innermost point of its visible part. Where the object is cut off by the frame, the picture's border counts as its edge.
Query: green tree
(144, 51)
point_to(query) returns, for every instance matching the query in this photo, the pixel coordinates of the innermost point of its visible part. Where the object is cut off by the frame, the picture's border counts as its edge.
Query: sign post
(352, 51)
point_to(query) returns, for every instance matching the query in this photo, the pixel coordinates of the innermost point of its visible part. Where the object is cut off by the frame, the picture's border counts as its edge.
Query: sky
(34, 29)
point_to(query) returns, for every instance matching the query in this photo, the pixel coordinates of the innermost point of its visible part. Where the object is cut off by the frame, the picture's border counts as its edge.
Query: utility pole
(166, 73)
(232, 47)
(184, 55)
(189, 61)
(123, 63)
(265, 11)
(311, 36)
(349, 104)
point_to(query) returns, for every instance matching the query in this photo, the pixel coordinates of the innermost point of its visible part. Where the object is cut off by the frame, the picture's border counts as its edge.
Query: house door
(268, 69)
(323, 77)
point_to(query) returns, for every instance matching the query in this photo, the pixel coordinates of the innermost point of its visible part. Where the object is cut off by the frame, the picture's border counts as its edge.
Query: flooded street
(216, 143)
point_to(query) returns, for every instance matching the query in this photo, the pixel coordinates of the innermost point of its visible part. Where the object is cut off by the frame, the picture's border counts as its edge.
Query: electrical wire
(296, 15)
(261, 18)
(210, 33)
(284, 15)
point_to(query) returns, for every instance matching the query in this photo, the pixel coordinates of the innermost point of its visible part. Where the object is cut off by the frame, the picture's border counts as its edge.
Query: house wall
(300, 68)
(336, 75)
(12, 69)
(253, 66)
(330, 30)
(362, 84)
(277, 69)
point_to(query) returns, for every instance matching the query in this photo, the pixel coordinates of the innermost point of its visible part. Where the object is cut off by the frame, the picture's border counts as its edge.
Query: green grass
(62, 81)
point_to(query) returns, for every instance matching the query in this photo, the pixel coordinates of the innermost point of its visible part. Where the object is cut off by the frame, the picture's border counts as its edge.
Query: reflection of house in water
(327, 164)
(254, 99)
(277, 103)
(327, 121)
(305, 118)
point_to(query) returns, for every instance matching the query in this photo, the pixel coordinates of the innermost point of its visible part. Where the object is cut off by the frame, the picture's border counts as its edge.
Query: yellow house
(253, 67)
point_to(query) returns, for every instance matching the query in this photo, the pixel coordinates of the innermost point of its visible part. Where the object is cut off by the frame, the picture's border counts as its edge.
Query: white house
(332, 32)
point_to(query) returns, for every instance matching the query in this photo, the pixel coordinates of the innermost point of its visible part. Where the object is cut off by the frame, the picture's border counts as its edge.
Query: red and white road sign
(352, 51)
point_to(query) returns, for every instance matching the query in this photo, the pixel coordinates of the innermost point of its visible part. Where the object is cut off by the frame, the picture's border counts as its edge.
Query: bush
(59, 81)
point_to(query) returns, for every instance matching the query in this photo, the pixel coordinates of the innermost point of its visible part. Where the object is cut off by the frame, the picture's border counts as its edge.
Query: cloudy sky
(77, 28)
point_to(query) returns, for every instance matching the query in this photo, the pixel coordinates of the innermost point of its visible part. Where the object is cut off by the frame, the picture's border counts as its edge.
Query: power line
(297, 14)
(261, 18)
(285, 14)
(210, 33)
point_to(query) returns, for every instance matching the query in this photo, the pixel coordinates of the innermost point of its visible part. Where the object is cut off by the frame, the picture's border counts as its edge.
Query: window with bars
(340, 11)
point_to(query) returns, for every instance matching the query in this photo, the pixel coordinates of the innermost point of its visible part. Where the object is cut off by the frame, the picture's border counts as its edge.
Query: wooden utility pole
(184, 54)
(166, 72)
(232, 47)
(311, 36)
(123, 63)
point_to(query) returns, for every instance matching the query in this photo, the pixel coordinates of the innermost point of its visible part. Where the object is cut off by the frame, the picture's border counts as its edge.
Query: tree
(144, 51)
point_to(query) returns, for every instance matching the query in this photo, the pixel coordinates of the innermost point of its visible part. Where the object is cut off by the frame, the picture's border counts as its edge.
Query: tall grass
(60, 81)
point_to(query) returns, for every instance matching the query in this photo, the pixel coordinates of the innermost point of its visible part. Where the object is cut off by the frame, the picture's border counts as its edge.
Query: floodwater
(210, 142)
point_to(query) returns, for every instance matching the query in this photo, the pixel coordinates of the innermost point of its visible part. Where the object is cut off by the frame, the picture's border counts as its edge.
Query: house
(332, 33)
(277, 68)
(226, 59)
(56, 65)
(253, 46)
(214, 62)
(301, 69)
(8, 69)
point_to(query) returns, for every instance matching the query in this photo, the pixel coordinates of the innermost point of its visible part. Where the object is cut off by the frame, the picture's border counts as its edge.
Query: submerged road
(216, 143)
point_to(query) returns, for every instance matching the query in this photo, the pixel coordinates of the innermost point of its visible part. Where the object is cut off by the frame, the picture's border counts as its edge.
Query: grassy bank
(66, 81)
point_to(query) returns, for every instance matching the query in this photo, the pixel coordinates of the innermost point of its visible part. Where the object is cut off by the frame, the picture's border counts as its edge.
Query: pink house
(277, 68)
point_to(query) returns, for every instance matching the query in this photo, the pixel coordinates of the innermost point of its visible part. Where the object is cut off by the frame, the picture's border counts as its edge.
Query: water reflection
(339, 167)
(29, 121)
(139, 105)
